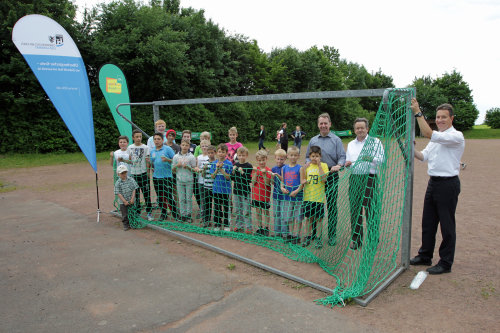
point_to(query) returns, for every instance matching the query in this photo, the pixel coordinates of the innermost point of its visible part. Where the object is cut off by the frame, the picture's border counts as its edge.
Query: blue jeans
(243, 212)
(280, 225)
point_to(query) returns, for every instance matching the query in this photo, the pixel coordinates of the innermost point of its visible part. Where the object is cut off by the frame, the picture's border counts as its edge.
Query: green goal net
(349, 222)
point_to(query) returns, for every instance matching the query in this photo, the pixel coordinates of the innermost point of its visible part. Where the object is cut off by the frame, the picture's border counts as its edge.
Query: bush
(493, 118)
(466, 114)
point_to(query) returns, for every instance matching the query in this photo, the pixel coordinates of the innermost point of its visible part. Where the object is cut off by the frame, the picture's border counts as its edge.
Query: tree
(169, 52)
(29, 120)
(428, 95)
(452, 89)
(493, 118)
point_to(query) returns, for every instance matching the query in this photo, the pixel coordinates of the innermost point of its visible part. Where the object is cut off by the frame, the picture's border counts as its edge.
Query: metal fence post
(156, 112)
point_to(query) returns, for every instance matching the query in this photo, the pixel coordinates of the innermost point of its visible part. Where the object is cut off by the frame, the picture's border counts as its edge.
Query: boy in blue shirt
(221, 173)
(280, 229)
(292, 188)
(161, 160)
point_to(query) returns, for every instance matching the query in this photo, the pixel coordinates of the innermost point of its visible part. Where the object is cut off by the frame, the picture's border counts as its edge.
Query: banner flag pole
(97, 189)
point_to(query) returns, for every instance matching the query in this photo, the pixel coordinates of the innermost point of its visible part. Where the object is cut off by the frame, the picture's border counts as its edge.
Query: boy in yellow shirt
(313, 177)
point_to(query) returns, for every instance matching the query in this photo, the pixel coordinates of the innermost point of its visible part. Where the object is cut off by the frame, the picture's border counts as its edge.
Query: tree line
(170, 52)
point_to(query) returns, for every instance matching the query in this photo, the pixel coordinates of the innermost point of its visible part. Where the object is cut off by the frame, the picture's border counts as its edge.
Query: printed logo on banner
(58, 39)
(112, 86)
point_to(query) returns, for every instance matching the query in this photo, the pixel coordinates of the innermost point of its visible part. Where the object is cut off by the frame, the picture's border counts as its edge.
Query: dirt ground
(466, 300)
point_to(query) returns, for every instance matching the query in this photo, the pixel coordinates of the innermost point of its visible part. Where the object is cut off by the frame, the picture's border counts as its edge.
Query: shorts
(260, 204)
(313, 209)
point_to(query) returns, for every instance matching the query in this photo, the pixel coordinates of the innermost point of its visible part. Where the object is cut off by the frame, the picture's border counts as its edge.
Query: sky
(404, 39)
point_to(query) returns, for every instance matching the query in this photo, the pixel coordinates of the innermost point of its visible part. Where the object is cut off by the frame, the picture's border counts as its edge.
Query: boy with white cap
(125, 188)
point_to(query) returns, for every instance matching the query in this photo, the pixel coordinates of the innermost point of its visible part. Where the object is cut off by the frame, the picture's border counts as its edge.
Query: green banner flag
(114, 88)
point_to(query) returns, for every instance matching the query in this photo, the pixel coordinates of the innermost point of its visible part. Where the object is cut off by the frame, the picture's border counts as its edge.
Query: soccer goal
(374, 211)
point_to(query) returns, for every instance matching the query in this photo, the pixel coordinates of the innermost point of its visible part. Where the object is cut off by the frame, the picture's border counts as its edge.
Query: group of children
(222, 179)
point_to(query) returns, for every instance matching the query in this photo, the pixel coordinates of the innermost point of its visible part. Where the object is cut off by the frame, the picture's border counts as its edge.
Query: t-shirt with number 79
(315, 189)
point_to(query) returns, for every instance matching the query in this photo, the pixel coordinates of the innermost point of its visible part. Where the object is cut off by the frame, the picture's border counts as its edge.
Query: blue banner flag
(56, 62)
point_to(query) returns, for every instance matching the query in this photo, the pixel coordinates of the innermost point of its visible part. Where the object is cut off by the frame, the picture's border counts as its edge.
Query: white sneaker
(216, 229)
(150, 217)
(227, 229)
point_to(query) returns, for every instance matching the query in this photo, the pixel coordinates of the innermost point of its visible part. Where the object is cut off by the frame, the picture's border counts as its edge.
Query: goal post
(375, 211)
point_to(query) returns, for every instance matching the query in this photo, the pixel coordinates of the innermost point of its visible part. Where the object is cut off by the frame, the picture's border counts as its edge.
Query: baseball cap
(171, 131)
(121, 168)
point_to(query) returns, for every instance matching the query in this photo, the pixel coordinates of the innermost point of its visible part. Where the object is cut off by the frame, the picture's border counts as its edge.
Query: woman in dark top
(262, 137)
(284, 138)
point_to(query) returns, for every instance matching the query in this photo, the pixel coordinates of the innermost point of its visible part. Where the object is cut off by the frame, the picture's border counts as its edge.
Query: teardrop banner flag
(114, 88)
(57, 64)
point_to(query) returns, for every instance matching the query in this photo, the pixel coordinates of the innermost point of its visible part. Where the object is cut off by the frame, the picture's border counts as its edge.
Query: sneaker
(249, 232)
(150, 217)
(216, 229)
(227, 229)
(307, 241)
(266, 232)
(125, 228)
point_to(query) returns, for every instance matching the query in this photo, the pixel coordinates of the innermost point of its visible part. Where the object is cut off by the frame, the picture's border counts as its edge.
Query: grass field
(10, 161)
(482, 132)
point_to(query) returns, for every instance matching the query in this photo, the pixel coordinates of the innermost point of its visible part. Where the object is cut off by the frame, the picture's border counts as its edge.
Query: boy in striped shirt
(125, 188)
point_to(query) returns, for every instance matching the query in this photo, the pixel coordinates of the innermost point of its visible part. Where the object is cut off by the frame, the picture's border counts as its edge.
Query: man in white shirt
(364, 166)
(443, 154)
